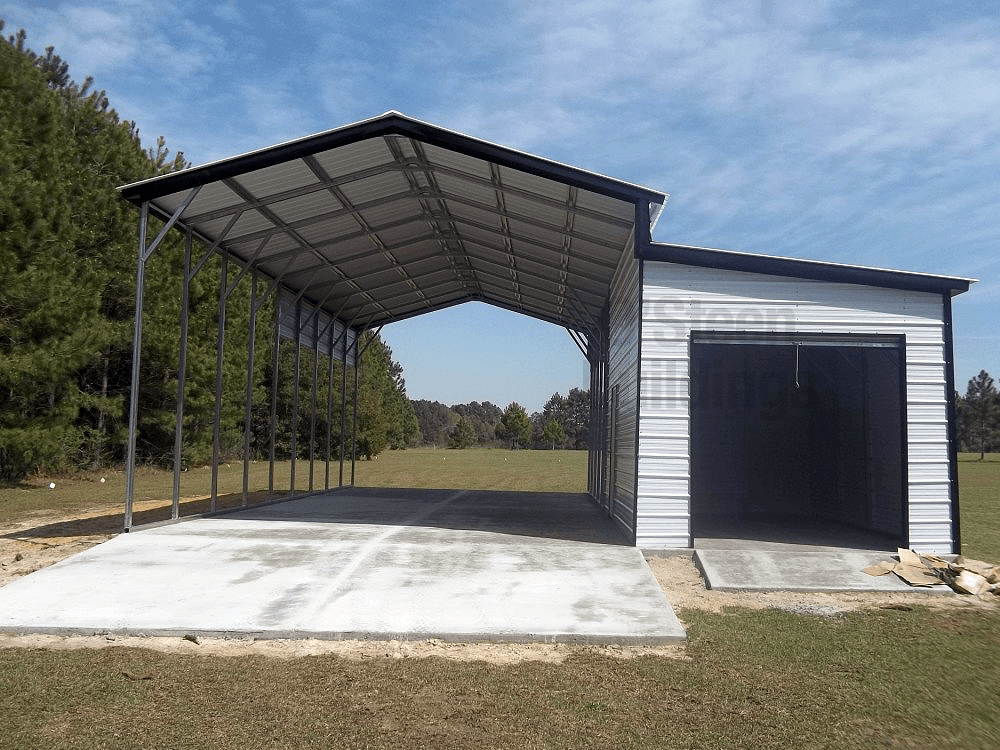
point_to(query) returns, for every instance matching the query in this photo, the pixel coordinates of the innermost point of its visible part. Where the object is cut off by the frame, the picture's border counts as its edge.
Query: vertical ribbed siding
(678, 299)
(623, 376)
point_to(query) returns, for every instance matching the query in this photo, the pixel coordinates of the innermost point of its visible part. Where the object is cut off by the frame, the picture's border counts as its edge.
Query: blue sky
(853, 132)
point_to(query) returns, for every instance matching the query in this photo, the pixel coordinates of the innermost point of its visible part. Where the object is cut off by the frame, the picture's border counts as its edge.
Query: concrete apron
(367, 564)
(750, 565)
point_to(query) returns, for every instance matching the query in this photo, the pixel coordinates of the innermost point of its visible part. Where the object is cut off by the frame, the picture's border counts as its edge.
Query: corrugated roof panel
(405, 236)
(214, 196)
(276, 179)
(476, 190)
(518, 206)
(597, 255)
(341, 250)
(354, 157)
(379, 277)
(536, 235)
(394, 212)
(301, 261)
(427, 270)
(476, 234)
(361, 267)
(374, 187)
(306, 206)
(321, 231)
(249, 223)
(529, 183)
(485, 219)
(457, 161)
(612, 234)
(605, 205)
(267, 246)
(212, 228)
(432, 279)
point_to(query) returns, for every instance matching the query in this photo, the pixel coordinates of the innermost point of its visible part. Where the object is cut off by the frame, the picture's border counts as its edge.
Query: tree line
(67, 294)
(978, 416)
(563, 423)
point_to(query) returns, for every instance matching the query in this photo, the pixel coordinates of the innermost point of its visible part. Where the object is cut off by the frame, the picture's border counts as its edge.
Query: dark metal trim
(805, 269)
(904, 455)
(949, 370)
(764, 338)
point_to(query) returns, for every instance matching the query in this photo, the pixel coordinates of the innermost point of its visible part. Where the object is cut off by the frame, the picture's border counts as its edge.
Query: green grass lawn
(979, 502)
(879, 678)
(751, 679)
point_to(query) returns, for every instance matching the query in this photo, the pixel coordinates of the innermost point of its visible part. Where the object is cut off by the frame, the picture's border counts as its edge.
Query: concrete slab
(374, 564)
(782, 553)
(775, 567)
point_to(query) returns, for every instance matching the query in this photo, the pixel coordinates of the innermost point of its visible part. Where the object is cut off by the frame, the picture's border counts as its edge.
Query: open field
(485, 468)
(879, 673)
(979, 500)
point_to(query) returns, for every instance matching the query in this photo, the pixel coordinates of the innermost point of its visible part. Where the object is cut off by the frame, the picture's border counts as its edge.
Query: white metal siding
(678, 299)
(623, 375)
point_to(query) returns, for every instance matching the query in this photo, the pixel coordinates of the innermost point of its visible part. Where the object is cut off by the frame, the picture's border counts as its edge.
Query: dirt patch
(23, 550)
(493, 653)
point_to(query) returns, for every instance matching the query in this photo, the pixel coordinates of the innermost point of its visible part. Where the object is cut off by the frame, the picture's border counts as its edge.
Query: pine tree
(50, 319)
(385, 416)
(67, 273)
(515, 425)
(553, 433)
(980, 412)
(464, 434)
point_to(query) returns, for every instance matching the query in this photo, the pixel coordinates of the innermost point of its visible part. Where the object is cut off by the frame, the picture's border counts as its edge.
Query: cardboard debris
(968, 582)
(963, 575)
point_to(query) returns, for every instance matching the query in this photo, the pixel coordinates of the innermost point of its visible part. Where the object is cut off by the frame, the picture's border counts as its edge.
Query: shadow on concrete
(547, 515)
(113, 523)
(760, 530)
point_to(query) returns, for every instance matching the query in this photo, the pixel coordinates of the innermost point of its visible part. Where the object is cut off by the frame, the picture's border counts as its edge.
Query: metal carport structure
(389, 218)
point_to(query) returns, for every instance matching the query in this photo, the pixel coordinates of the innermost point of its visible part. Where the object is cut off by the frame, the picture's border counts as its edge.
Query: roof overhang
(391, 217)
(806, 269)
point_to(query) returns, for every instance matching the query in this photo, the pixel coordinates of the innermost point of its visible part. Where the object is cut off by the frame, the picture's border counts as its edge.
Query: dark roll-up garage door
(802, 430)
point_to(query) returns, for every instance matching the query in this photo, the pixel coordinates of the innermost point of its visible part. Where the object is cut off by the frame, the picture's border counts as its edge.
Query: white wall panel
(677, 300)
(623, 379)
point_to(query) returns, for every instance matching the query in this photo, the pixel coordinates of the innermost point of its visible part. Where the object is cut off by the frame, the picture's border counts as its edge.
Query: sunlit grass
(979, 504)
(752, 679)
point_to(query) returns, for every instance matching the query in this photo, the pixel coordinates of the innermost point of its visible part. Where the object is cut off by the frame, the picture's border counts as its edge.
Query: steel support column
(220, 343)
(296, 372)
(312, 415)
(329, 407)
(343, 408)
(275, 367)
(143, 255)
(133, 411)
(357, 385)
(181, 377)
(248, 410)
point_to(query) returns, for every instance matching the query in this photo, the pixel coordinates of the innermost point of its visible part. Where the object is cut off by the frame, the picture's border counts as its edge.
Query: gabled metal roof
(391, 217)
